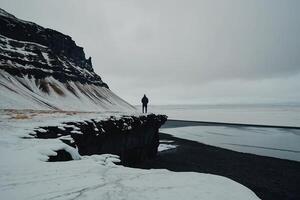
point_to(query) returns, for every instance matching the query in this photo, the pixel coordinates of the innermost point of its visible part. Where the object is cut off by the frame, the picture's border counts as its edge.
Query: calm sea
(284, 115)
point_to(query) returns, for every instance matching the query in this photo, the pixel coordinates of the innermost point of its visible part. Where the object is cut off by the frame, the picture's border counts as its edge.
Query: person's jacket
(145, 100)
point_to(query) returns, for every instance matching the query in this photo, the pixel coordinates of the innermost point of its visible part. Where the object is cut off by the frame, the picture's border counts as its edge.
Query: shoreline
(268, 177)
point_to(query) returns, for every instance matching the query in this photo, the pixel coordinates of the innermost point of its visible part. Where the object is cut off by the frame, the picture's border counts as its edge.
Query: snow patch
(165, 147)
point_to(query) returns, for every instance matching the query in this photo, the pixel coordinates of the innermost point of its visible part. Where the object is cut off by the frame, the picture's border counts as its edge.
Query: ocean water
(274, 142)
(281, 115)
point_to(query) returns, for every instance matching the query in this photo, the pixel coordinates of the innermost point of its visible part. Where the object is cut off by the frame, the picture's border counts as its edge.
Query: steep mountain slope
(41, 68)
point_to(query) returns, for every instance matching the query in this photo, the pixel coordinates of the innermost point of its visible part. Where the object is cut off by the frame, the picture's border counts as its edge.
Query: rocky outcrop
(42, 52)
(132, 138)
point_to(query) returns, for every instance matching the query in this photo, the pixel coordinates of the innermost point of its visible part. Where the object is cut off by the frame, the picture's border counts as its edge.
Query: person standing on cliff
(145, 103)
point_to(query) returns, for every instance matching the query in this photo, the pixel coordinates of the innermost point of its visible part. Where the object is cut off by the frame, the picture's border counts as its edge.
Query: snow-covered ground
(282, 115)
(280, 143)
(24, 174)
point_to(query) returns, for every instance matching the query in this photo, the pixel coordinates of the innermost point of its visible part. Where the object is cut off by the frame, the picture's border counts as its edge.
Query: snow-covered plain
(280, 143)
(24, 174)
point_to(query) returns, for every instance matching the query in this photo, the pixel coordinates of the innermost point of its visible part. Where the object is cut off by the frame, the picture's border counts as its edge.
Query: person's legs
(142, 108)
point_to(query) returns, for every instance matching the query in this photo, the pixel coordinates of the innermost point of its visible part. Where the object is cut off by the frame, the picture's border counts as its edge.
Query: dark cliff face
(29, 49)
(132, 138)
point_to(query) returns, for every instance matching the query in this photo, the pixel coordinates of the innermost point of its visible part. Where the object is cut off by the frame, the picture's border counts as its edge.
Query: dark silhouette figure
(145, 103)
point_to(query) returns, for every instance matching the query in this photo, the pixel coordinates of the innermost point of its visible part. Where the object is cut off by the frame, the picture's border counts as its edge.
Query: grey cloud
(176, 49)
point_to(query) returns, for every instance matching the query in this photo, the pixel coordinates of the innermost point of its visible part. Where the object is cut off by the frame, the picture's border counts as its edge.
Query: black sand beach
(270, 178)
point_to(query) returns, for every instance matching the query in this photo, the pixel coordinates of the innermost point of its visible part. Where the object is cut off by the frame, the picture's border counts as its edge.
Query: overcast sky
(177, 52)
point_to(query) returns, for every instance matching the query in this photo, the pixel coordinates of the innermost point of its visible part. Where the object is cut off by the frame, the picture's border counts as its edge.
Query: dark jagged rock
(29, 49)
(62, 155)
(132, 138)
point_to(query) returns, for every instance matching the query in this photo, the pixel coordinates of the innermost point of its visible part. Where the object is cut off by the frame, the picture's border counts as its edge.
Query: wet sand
(270, 178)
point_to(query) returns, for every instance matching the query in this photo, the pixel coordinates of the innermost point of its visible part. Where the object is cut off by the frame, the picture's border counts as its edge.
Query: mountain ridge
(48, 68)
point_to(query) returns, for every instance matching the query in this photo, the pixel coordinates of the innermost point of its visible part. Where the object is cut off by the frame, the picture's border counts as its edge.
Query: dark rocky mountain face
(29, 49)
(41, 68)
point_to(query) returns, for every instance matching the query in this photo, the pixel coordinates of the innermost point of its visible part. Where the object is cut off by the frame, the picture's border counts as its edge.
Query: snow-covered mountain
(41, 68)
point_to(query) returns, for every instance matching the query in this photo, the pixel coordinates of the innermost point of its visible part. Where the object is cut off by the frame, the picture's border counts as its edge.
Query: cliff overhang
(133, 138)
